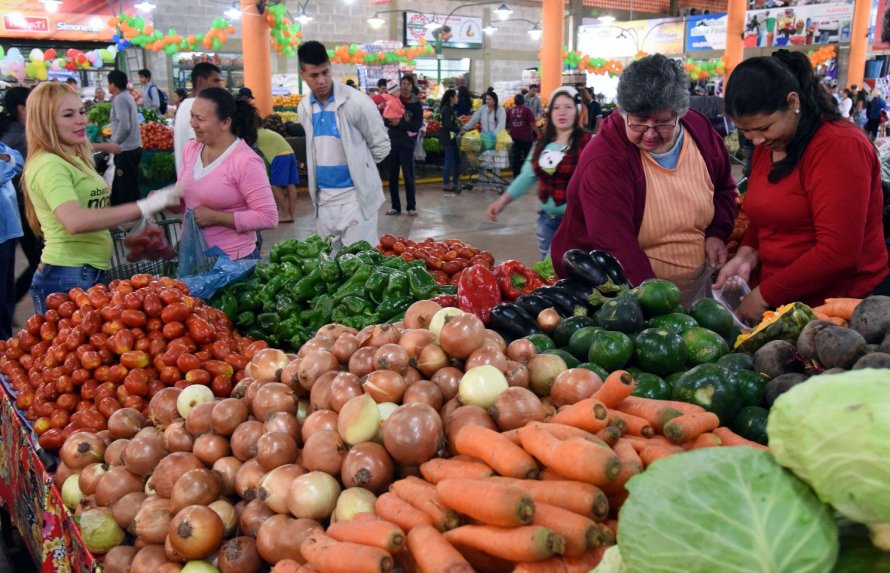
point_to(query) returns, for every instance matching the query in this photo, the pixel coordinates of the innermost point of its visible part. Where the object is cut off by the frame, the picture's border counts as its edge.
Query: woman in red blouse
(814, 194)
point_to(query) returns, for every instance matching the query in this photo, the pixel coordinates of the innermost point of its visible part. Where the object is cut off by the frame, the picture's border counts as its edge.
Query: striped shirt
(331, 168)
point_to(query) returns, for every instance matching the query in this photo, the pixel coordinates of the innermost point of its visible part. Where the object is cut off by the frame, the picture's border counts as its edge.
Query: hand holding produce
(148, 244)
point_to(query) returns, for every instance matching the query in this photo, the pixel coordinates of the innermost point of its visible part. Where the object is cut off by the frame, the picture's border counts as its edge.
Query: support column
(735, 30)
(551, 45)
(257, 51)
(858, 42)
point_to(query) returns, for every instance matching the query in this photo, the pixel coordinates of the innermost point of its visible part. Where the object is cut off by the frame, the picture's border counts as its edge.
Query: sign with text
(456, 32)
(707, 32)
(626, 39)
(799, 25)
(78, 20)
(878, 44)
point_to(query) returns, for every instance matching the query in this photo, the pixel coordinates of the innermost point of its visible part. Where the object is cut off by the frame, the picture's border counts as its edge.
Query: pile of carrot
(543, 498)
(837, 310)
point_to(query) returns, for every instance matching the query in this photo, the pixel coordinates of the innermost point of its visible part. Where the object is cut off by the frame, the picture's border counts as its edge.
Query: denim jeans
(452, 167)
(547, 226)
(7, 287)
(51, 278)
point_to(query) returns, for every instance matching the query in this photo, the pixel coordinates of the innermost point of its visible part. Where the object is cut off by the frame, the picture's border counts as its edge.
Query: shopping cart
(121, 268)
(482, 168)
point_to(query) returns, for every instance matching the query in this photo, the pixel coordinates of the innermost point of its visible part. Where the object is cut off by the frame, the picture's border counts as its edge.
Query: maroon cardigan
(607, 195)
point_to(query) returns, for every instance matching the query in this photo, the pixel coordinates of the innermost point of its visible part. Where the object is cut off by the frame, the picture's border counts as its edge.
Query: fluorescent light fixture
(233, 13)
(606, 19)
(503, 11)
(145, 6)
(376, 21)
(535, 33)
(303, 18)
(489, 29)
(432, 26)
(52, 5)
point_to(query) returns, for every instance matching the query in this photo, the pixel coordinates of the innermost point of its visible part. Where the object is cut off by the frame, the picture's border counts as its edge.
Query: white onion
(313, 495)
(71, 493)
(192, 396)
(199, 566)
(358, 420)
(353, 500)
(99, 530)
(438, 320)
(384, 409)
(481, 386)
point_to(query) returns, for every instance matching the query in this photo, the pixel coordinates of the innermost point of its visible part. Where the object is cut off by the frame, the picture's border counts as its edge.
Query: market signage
(707, 32)
(626, 39)
(883, 6)
(76, 20)
(457, 32)
(799, 25)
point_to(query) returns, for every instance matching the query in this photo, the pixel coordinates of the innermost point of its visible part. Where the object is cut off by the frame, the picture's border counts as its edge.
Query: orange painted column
(858, 42)
(257, 51)
(551, 45)
(735, 30)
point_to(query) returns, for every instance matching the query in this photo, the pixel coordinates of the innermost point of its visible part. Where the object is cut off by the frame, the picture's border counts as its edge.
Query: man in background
(204, 75)
(125, 134)
(151, 97)
(533, 101)
(72, 83)
(594, 112)
(377, 97)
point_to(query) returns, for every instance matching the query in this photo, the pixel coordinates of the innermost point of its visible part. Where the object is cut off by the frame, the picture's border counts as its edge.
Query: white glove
(159, 200)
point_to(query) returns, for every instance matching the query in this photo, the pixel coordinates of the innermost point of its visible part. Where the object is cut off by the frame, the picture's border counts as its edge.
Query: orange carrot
(433, 554)
(333, 556)
(383, 534)
(631, 465)
(582, 498)
(616, 387)
(423, 496)
(512, 435)
(689, 426)
(633, 425)
(706, 440)
(730, 438)
(588, 414)
(656, 412)
(840, 307)
(438, 469)
(562, 564)
(483, 562)
(579, 532)
(639, 443)
(287, 566)
(564, 432)
(526, 543)
(491, 502)
(652, 453)
(394, 509)
(575, 458)
(609, 435)
(549, 475)
(502, 455)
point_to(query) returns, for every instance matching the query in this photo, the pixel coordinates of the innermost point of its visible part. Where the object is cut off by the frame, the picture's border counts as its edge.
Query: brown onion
(275, 485)
(448, 408)
(487, 355)
(170, 469)
(462, 335)
(82, 449)
(253, 516)
(391, 357)
(248, 479)
(324, 451)
(367, 465)
(448, 381)
(516, 374)
(124, 423)
(344, 387)
(177, 438)
(195, 487)
(412, 434)
(153, 519)
(115, 484)
(420, 313)
(432, 359)
(125, 509)
(275, 449)
(196, 532)
(384, 386)
(198, 421)
(424, 392)
(344, 347)
(574, 385)
(313, 365)
(227, 468)
(515, 407)
(162, 407)
(118, 559)
(521, 350)
(542, 372)
(266, 364)
(382, 334)
(228, 515)
(251, 392)
(412, 375)
(320, 395)
(493, 338)
(144, 451)
(466, 415)
(335, 330)
(105, 435)
(210, 447)
(285, 423)
(115, 452)
(548, 319)
(244, 439)
(317, 421)
(63, 472)
(226, 415)
(288, 375)
(89, 477)
(169, 567)
(281, 536)
(362, 361)
(318, 342)
(271, 398)
(171, 553)
(148, 559)
(239, 555)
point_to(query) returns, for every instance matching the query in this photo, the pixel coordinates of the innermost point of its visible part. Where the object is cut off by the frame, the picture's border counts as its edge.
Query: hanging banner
(457, 32)
(878, 44)
(707, 32)
(627, 39)
(78, 20)
(799, 25)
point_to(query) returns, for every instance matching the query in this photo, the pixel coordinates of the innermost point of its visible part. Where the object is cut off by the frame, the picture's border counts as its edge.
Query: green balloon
(330, 53)
(216, 44)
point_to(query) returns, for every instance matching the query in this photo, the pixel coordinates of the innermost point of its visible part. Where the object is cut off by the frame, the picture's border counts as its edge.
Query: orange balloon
(148, 30)
(191, 39)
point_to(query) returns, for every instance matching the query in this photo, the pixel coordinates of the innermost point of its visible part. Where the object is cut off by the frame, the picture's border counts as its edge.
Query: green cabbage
(611, 562)
(834, 433)
(724, 510)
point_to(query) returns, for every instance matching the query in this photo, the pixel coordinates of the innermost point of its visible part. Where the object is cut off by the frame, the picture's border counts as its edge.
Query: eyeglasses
(663, 128)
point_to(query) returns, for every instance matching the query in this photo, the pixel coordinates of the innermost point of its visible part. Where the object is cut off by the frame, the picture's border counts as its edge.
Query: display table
(34, 503)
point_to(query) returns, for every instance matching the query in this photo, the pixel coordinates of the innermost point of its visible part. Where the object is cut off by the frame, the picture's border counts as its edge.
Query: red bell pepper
(444, 300)
(478, 292)
(515, 280)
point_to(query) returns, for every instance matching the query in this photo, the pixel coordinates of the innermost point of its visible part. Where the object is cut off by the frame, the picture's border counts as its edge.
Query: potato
(873, 360)
(839, 347)
(806, 342)
(832, 371)
(781, 384)
(773, 357)
(885, 346)
(871, 318)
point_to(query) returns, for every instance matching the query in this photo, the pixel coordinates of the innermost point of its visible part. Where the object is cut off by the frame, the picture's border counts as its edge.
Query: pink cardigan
(238, 185)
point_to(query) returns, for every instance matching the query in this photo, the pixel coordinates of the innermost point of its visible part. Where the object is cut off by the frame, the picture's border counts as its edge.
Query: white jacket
(364, 140)
(494, 121)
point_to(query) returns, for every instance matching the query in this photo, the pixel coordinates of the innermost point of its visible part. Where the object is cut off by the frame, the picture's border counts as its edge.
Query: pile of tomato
(445, 260)
(156, 136)
(115, 346)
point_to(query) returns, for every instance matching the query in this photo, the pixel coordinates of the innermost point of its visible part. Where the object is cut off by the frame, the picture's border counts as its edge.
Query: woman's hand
(497, 206)
(741, 265)
(752, 308)
(206, 217)
(715, 249)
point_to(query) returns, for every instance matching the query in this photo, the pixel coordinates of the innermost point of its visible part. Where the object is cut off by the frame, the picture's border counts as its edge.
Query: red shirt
(519, 123)
(378, 101)
(818, 231)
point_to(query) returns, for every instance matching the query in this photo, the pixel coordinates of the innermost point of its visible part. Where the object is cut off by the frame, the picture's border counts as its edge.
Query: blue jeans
(7, 287)
(452, 167)
(547, 226)
(51, 278)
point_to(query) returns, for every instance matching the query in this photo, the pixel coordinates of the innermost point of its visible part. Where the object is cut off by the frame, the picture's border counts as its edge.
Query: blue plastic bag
(193, 257)
(224, 271)
(489, 140)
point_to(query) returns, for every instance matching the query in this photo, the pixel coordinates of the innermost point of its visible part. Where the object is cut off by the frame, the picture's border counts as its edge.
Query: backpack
(162, 99)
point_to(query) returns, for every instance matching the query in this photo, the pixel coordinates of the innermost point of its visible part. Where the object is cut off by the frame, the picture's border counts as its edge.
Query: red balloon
(49, 54)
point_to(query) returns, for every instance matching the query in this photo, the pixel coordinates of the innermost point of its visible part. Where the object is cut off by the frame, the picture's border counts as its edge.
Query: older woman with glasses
(654, 187)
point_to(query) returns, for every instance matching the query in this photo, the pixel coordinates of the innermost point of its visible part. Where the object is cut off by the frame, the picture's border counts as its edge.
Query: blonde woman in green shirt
(66, 200)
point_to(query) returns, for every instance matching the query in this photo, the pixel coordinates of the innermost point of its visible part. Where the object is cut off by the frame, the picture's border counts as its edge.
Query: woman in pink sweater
(224, 180)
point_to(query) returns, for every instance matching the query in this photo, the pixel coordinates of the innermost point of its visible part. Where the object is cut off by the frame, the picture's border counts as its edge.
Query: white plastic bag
(108, 175)
(419, 151)
(731, 294)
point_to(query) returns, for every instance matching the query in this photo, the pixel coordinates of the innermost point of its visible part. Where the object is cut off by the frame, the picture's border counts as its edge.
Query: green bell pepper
(355, 284)
(286, 306)
(397, 285)
(289, 328)
(340, 314)
(267, 321)
(394, 263)
(245, 320)
(228, 304)
(322, 308)
(328, 268)
(311, 247)
(359, 322)
(268, 292)
(348, 264)
(356, 305)
(306, 288)
(392, 306)
(302, 336)
(264, 271)
(376, 284)
(419, 263)
(250, 301)
(354, 248)
(257, 334)
(279, 250)
(420, 283)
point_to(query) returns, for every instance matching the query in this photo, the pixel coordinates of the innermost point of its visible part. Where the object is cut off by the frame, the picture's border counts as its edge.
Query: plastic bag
(224, 272)
(503, 142)
(489, 140)
(731, 294)
(193, 256)
(146, 241)
(419, 151)
(471, 141)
